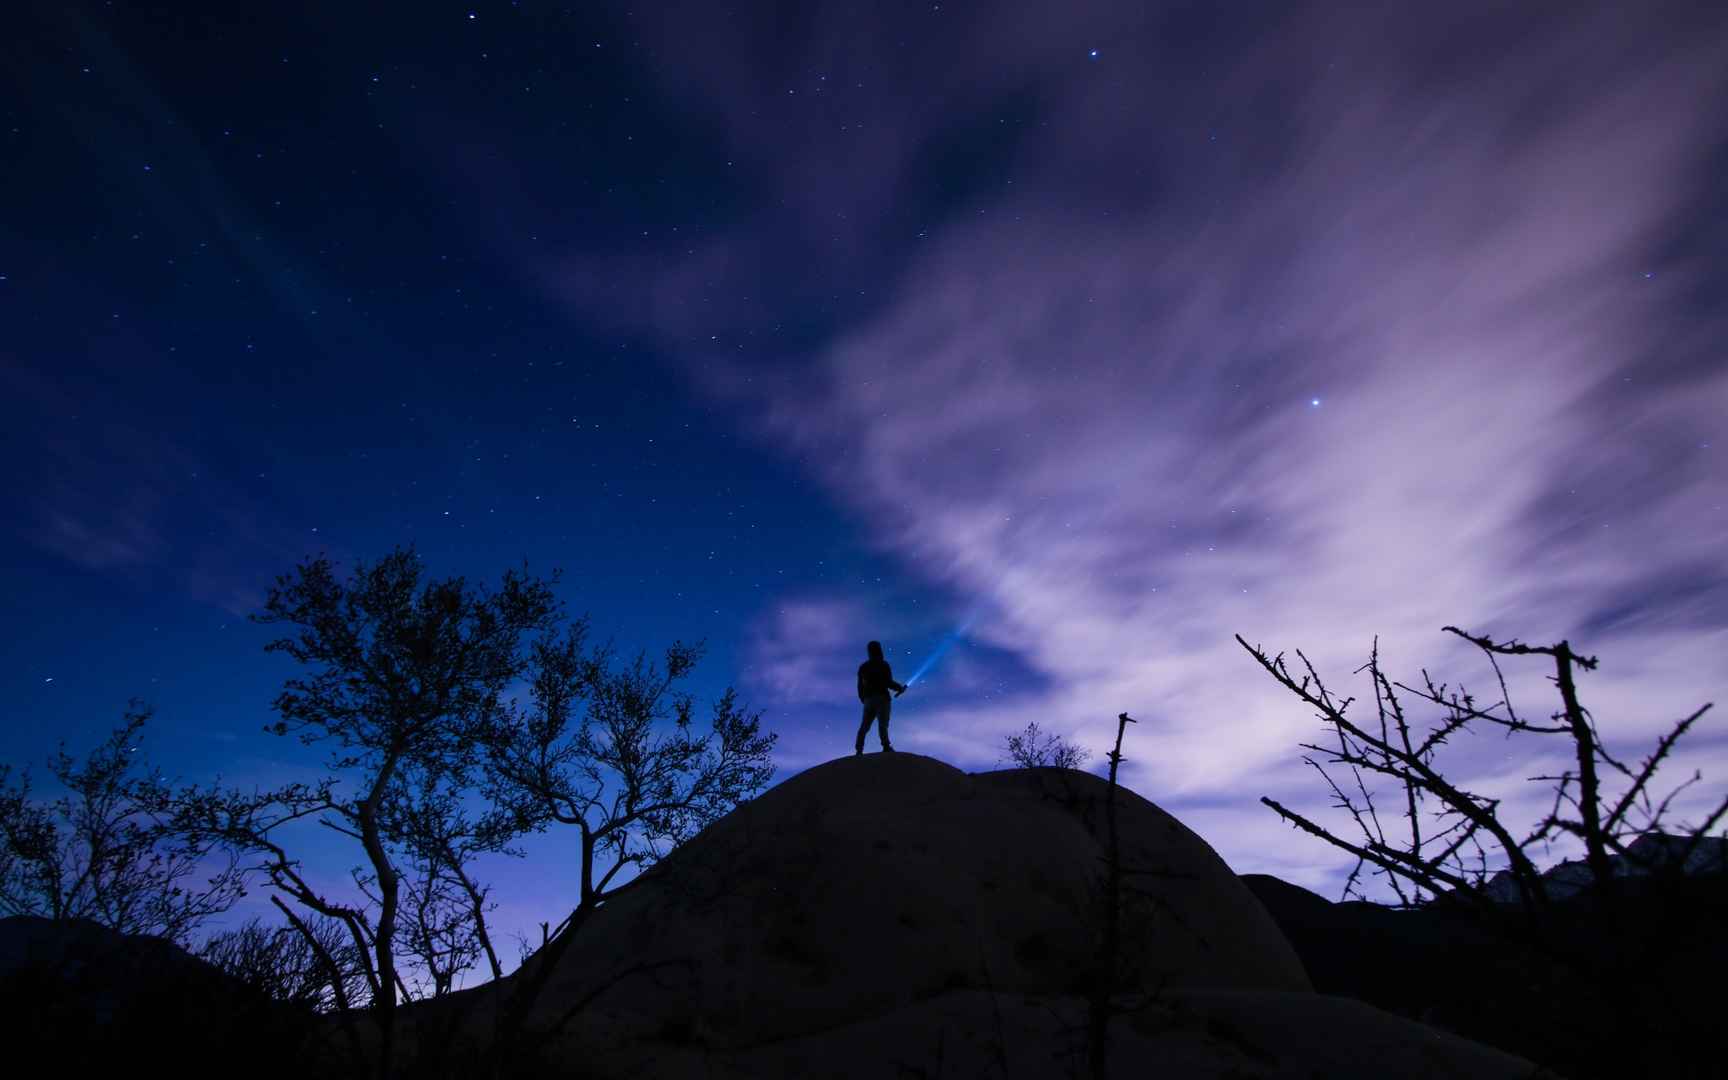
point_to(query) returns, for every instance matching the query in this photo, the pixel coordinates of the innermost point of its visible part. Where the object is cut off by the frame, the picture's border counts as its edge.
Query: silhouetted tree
(1101, 1002)
(1035, 748)
(1431, 860)
(405, 679)
(1606, 971)
(407, 686)
(100, 852)
(613, 753)
(313, 970)
(446, 928)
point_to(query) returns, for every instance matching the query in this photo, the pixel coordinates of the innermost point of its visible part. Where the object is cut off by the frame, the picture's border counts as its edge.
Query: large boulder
(870, 883)
(890, 912)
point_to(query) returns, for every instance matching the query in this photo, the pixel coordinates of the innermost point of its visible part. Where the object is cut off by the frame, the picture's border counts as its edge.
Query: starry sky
(1080, 336)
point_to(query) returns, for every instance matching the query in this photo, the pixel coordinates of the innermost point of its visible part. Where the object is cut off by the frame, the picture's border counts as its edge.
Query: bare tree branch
(103, 851)
(1434, 862)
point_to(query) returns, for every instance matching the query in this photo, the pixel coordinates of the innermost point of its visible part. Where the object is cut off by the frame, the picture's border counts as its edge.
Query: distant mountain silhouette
(1649, 855)
(92, 1001)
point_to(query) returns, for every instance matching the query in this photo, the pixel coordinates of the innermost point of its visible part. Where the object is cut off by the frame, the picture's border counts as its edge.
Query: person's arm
(899, 688)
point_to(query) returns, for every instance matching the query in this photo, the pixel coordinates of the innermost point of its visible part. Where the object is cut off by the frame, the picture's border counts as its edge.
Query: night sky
(1104, 331)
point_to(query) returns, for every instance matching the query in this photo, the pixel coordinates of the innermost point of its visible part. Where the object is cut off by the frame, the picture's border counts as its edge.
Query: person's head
(875, 648)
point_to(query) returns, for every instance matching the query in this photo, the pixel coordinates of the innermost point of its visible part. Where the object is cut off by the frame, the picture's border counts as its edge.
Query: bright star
(1314, 401)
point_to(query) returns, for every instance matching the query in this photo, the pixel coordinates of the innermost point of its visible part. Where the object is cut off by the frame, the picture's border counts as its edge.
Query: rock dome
(890, 912)
(872, 882)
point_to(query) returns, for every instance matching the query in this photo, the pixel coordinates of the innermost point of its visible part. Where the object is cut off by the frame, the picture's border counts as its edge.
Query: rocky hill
(890, 915)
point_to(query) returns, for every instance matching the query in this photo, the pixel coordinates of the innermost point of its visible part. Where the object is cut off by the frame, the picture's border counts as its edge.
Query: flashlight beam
(949, 640)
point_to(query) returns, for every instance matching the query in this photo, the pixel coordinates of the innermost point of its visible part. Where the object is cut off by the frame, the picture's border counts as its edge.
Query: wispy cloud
(106, 490)
(805, 648)
(1414, 357)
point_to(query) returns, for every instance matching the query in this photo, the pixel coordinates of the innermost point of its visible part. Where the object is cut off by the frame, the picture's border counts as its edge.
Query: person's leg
(864, 728)
(883, 709)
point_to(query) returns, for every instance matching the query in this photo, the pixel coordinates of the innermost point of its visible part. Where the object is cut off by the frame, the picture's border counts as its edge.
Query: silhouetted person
(875, 679)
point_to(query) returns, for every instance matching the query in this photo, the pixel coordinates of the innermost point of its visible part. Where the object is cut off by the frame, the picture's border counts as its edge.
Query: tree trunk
(389, 895)
(1104, 989)
(1589, 792)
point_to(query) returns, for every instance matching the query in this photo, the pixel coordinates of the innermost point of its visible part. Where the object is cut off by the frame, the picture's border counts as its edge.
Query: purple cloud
(806, 648)
(1388, 368)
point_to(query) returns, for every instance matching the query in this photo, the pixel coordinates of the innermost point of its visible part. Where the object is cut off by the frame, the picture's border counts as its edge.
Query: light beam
(949, 640)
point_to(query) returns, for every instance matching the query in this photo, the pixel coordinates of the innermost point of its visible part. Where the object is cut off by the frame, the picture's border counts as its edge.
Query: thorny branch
(1433, 863)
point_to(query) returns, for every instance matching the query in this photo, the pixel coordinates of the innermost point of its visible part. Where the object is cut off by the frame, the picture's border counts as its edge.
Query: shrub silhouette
(1035, 748)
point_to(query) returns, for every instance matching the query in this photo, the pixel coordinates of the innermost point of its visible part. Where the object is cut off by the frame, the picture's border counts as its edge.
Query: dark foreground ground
(1633, 990)
(1630, 992)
